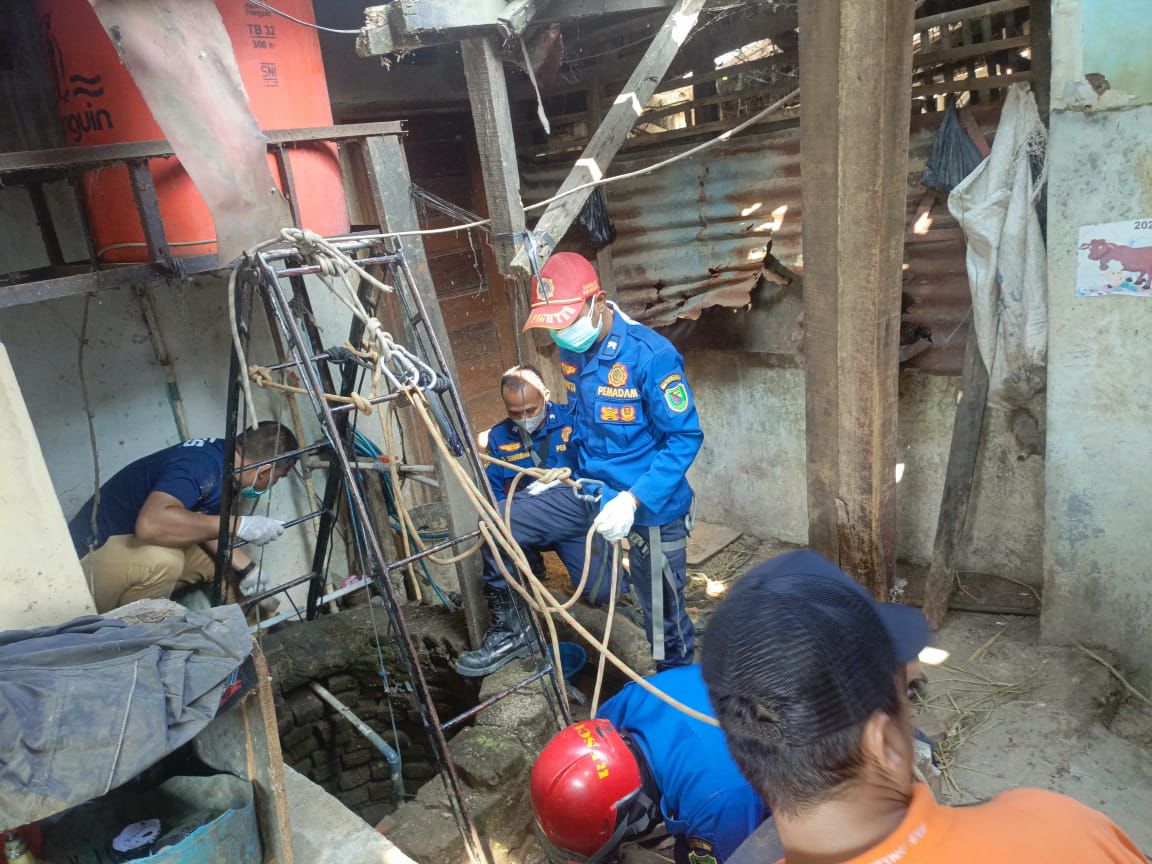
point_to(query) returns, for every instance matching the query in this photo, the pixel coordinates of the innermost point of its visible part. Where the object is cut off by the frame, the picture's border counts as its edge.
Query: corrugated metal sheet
(693, 234)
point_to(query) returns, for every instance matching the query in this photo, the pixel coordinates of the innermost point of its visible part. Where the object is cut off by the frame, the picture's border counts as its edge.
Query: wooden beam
(518, 14)
(971, 13)
(958, 480)
(854, 159)
(488, 93)
(245, 741)
(387, 169)
(610, 135)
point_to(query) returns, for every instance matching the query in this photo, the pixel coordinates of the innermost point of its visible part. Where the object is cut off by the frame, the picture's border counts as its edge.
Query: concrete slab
(1023, 714)
(708, 539)
(324, 831)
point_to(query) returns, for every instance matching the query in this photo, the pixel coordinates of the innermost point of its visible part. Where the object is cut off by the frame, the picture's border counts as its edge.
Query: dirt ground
(1004, 709)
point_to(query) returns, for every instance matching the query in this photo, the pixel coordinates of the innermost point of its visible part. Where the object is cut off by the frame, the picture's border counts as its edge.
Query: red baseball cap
(566, 280)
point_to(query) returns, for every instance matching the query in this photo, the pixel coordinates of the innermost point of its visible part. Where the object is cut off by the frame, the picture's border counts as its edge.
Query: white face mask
(580, 335)
(531, 424)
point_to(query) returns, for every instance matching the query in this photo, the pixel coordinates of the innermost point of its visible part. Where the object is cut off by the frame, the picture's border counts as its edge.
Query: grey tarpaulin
(87, 705)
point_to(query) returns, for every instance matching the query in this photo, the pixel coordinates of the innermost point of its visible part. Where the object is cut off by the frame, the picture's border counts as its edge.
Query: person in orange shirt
(804, 680)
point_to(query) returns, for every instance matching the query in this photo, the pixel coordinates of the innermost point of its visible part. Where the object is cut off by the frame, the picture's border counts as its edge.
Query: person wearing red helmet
(637, 430)
(601, 782)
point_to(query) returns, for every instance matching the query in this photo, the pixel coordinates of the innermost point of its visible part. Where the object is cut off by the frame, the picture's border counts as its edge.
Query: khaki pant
(124, 569)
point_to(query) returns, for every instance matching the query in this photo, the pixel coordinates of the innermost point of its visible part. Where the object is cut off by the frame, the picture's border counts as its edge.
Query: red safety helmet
(566, 280)
(588, 791)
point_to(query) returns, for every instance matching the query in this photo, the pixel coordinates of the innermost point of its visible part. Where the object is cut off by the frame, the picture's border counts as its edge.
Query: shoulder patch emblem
(618, 375)
(567, 368)
(676, 398)
(670, 380)
(566, 433)
(509, 448)
(700, 851)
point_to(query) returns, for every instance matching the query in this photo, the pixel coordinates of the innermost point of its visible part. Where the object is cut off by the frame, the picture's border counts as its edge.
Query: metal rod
(390, 755)
(428, 711)
(375, 400)
(223, 547)
(429, 550)
(289, 363)
(281, 457)
(291, 523)
(315, 268)
(253, 599)
(499, 697)
(350, 245)
(284, 616)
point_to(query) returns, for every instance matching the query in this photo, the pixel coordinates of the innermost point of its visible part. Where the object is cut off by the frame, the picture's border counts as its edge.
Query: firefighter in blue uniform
(637, 432)
(537, 432)
(653, 764)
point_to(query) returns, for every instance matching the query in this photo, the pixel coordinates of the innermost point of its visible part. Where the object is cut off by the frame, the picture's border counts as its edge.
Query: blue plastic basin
(572, 659)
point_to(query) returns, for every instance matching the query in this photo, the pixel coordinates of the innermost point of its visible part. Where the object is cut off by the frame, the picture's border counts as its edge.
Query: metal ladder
(297, 337)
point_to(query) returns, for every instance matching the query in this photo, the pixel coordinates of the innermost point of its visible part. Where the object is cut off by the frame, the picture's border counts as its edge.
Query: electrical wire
(303, 23)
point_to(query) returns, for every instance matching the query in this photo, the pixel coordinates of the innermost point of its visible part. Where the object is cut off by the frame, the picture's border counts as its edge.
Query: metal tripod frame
(297, 333)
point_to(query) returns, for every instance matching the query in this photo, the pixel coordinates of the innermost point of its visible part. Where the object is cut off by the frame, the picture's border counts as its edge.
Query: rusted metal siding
(693, 234)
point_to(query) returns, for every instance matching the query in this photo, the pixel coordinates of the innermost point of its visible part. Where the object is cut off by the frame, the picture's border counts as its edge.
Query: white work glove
(254, 582)
(615, 518)
(538, 486)
(259, 530)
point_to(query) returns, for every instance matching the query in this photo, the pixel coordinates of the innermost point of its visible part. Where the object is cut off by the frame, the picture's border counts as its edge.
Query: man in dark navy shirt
(158, 518)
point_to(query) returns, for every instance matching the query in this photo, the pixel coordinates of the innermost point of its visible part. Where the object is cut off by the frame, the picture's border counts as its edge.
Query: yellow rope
(262, 377)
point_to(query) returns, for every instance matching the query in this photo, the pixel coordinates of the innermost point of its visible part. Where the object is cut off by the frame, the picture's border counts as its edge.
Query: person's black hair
(268, 439)
(793, 777)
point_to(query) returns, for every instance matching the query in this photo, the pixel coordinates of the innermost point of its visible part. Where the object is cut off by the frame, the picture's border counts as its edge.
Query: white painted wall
(43, 584)
(1098, 547)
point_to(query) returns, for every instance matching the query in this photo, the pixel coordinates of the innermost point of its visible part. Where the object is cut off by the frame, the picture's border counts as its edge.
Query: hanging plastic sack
(596, 221)
(954, 154)
(1006, 260)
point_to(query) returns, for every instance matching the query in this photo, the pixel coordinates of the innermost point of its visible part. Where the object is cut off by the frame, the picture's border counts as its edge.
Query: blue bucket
(572, 659)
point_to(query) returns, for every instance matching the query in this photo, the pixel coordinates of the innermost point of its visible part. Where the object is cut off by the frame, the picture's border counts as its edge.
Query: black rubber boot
(507, 639)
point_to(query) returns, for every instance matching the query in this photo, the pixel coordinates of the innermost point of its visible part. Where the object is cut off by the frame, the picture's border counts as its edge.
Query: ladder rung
(498, 697)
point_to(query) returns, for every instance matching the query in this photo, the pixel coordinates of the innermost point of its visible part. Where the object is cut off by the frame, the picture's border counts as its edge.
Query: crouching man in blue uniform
(637, 431)
(601, 782)
(536, 434)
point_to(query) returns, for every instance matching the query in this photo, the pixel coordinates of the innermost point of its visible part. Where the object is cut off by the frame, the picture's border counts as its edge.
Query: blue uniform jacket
(635, 418)
(703, 795)
(552, 445)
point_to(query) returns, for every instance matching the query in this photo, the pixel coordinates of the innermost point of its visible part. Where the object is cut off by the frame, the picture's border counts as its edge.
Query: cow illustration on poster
(1115, 258)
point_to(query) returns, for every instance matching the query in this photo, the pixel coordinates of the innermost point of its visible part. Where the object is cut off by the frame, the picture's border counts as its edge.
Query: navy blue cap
(799, 650)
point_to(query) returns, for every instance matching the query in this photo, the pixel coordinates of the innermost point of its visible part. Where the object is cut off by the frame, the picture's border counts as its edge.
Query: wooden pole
(855, 83)
(611, 133)
(488, 93)
(958, 480)
(391, 185)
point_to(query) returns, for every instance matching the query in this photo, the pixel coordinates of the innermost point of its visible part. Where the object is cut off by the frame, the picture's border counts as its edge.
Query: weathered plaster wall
(1098, 549)
(751, 471)
(43, 584)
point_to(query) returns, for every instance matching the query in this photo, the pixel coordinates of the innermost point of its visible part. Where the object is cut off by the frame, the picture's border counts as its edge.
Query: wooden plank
(854, 159)
(246, 742)
(994, 82)
(972, 12)
(518, 14)
(491, 114)
(966, 52)
(391, 188)
(612, 132)
(21, 294)
(958, 480)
